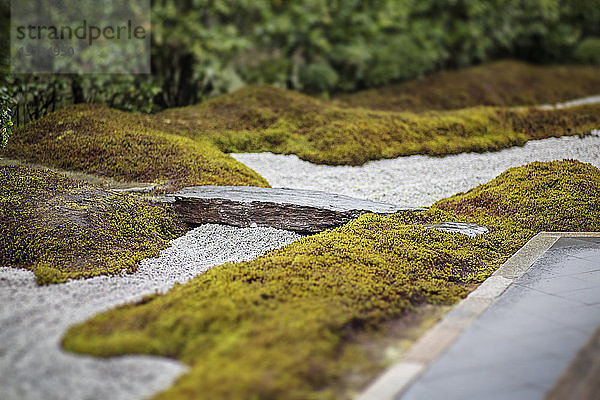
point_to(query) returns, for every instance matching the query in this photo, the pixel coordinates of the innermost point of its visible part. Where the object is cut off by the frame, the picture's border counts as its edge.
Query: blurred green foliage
(588, 51)
(202, 48)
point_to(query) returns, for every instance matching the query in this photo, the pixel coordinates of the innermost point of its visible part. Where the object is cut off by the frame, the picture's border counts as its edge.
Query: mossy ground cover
(125, 147)
(282, 326)
(501, 84)
(264, 118)
(185, 146)
(61, 228)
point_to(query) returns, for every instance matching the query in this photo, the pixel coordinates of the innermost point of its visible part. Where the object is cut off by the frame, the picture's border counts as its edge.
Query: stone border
(396, 379)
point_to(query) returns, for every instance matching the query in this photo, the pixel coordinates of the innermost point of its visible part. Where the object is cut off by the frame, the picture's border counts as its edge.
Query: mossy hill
(265, 118)
(500, 84)
(126, 147)
(185, 146)
(62, 228)
(282, 326)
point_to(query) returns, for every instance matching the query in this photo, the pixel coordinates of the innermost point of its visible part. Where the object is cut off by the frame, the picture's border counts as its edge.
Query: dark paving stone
(532, 301)
(593, 240)
(553, 284)
(589, 255)
(593, 276)
(477, 348)
(469, 385)
(521, 344)
(524, 392)
(512, 322)
(588, 296)
(567, 313)
(580, 380)
(572, 266)
(562, 343)
(579, 243)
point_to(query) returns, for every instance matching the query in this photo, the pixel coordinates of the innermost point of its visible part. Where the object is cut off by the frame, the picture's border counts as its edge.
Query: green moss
(501, 84)
(126, 147)
(61, 228)
(281, 326)
(263, 118)
(184, 146)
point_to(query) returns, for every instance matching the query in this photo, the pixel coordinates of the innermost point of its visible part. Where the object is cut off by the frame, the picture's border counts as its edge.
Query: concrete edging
(397, 378)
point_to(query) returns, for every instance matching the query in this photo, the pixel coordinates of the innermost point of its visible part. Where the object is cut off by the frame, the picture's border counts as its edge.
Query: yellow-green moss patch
(501, 83)
(281, 326)
(126, 147)
(264, 118)
(185, 146)
(61, 228)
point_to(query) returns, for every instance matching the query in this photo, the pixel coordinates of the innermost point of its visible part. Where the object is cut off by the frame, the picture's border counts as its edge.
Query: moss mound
(126, 147)
(62, 228)
(263, 118)
(501, 83)
(184, 146)
(281, 326)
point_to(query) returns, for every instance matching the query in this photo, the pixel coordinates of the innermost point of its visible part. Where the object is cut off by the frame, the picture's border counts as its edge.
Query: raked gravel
(417, 180)
(33, 319)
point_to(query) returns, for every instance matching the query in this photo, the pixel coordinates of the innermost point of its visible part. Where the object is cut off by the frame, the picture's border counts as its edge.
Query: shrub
(588, 51)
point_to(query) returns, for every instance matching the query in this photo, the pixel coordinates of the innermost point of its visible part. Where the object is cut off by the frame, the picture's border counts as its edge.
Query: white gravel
(33, 319)
(572, 103)
(416, 180)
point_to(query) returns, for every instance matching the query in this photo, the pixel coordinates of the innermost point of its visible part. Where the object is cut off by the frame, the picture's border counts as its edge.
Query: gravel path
(33, 319)
(416, 180)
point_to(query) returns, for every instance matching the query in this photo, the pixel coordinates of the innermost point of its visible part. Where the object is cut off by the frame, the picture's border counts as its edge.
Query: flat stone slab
(305, 211)
(465, 228)
(526, 338)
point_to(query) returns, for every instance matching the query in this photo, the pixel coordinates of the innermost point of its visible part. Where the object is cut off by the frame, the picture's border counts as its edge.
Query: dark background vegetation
(202, 48)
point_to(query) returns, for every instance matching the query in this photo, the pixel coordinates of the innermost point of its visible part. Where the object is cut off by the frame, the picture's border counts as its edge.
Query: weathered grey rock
(471, 230)
(305, 211)
(140, 189)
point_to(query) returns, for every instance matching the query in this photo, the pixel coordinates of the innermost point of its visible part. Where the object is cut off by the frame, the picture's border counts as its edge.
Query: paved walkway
(515, 335)
(522, 343)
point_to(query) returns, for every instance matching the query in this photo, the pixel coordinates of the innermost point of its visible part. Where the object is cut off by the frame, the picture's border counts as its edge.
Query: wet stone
(304, 211)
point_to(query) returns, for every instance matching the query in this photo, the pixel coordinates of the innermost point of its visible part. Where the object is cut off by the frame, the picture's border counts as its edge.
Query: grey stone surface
(139, 189)
(416, 180)
(292, 209)
(464, 228)
(580, 380)
(520, 345)
(33, 319)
